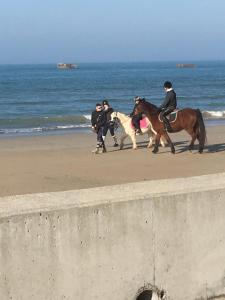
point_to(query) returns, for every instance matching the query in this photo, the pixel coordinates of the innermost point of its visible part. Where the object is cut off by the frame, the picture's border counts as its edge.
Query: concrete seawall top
(33, 203)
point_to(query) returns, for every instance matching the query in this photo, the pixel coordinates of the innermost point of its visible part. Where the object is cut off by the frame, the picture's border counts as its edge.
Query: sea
(41, 99)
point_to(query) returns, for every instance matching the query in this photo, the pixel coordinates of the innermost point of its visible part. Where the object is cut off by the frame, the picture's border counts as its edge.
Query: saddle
(144, 123)
(171, 117)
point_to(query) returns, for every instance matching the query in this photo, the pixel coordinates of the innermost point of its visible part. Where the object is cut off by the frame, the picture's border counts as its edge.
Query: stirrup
(138, 132)
(169, 129)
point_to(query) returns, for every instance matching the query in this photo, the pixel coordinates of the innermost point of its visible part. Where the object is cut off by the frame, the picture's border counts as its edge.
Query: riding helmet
(167, 84)
(137, 98)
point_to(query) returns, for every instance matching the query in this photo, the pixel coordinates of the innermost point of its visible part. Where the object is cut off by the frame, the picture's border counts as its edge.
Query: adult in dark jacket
(168, 105)
(109, 124)
(98, 121)
(138, 117)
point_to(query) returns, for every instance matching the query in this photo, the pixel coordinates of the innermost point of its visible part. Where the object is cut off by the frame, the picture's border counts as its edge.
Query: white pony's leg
(133, 139)
(150, 140)
(122, 140)
(162, 142)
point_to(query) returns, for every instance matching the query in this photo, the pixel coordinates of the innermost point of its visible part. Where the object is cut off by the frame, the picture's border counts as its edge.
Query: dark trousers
(108, 127)
(164, 113)
(100, 141)
(136, 121)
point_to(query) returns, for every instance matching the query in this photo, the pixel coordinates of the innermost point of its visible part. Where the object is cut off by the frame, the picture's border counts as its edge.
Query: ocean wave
(32, 130)
(44, 124)
(45, 121)
(38, 125)
(214, 114)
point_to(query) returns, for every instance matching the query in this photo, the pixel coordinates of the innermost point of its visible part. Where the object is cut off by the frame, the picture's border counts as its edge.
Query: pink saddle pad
(143, 123)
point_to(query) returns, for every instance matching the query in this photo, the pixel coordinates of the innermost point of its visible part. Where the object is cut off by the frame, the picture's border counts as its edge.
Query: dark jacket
(108, 114)
(98, 118)
(170, 100)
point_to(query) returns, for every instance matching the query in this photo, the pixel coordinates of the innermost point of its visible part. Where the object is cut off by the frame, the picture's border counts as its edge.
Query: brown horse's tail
(201, 131)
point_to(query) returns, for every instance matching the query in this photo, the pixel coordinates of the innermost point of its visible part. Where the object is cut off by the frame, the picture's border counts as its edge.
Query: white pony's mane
(121, 116)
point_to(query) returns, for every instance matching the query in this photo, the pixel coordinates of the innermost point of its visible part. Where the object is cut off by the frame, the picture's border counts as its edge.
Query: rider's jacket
(170, 100)
(132, 113)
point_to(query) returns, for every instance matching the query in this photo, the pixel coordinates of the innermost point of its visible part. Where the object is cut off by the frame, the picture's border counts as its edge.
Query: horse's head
(145, 107)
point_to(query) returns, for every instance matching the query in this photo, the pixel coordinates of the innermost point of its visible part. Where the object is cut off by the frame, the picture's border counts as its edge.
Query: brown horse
(188, 119)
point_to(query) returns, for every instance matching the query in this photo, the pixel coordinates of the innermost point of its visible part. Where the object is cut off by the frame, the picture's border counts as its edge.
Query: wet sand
(65, 162)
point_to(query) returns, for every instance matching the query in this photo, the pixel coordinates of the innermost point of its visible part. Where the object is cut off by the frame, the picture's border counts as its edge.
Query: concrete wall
(107, 243)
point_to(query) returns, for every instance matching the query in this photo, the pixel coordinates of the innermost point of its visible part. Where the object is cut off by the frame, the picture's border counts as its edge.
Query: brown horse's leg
(157, 139)
(193, 138)
(169, 142)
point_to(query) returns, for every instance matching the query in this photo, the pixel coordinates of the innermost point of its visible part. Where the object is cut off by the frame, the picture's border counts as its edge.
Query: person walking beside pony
(98, 121)
(109, 125)
(169, 104)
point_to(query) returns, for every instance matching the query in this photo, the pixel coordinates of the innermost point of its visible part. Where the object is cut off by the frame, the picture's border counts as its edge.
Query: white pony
(125, 122)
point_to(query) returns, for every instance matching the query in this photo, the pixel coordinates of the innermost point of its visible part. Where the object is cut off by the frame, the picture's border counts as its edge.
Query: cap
(105, 102)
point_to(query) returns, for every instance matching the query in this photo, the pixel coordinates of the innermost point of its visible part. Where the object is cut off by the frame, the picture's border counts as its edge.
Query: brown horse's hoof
(155, 151)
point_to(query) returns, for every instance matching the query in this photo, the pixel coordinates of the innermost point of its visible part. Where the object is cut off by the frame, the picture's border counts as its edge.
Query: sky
(51, 31)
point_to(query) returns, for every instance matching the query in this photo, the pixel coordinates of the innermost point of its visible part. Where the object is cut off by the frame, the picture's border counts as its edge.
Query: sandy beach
(65, 162)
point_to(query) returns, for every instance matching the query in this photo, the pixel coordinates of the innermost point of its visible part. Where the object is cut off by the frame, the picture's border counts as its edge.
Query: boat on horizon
(66, 66)
(185, 65)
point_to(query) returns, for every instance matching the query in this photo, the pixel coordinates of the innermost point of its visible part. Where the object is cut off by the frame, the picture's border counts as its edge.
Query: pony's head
(113, 116)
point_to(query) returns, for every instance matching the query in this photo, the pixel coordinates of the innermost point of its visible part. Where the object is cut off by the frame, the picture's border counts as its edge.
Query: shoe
(138, 132)
(96, 150)
(101, 150)
(115, 141)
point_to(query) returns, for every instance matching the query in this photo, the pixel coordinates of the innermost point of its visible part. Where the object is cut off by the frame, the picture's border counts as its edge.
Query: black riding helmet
(137, 98)
(167, 85)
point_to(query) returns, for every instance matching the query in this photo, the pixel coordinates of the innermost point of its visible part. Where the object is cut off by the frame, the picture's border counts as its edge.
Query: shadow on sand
(181, 146)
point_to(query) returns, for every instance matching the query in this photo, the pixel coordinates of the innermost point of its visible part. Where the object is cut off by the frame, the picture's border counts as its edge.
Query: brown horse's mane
(151, 108)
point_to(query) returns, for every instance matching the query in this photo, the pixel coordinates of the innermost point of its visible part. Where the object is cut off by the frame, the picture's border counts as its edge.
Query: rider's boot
(138, 131)
(115, 141)
(167, 126)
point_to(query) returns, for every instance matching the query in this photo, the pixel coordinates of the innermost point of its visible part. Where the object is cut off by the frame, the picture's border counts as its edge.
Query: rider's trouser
(164, 113)
(136, 121)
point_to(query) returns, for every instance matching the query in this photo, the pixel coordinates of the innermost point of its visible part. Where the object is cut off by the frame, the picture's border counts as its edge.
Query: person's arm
(93, 124)
(92, 119)
(165, 102)
(132, 114)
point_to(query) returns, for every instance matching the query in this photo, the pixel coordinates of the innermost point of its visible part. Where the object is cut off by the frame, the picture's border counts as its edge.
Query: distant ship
(185, 65)
(66, 66)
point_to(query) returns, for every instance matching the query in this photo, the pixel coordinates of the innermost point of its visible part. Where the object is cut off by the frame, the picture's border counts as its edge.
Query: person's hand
(159, 109)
